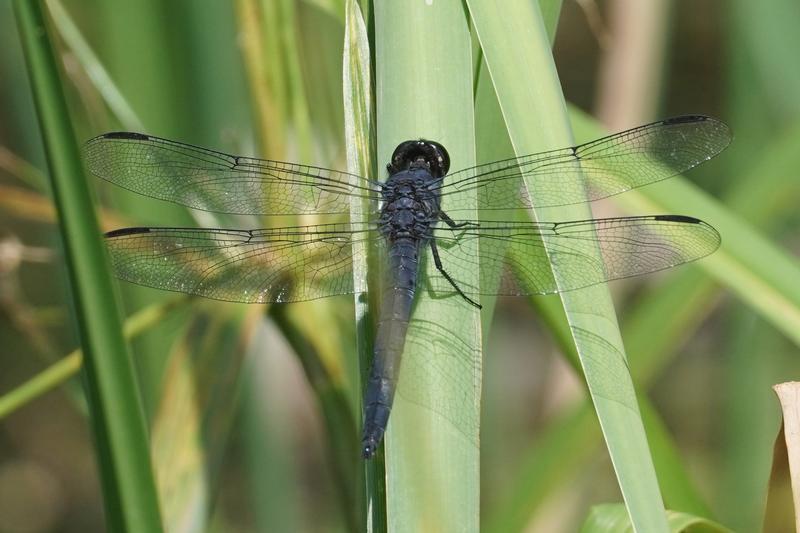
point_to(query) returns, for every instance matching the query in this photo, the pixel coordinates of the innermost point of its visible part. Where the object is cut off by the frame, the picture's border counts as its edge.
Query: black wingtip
(679, 218)
(126, 231)
(687, 118)
(129, 135)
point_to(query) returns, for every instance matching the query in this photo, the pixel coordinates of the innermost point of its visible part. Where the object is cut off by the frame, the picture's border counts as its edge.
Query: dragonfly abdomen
(395, 312)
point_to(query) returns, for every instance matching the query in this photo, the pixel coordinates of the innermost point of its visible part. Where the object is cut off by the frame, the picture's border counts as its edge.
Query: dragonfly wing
(590, 171)
(214, 181)
(255, 266)
(513, 261)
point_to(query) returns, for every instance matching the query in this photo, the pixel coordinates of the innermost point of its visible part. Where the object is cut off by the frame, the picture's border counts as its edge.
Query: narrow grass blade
(359, 113)
(124, 460)
(517, 52)
(424, 90)
(94, 68)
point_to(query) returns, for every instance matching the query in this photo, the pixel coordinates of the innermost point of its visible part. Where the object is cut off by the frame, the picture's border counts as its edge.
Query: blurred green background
(239, 438)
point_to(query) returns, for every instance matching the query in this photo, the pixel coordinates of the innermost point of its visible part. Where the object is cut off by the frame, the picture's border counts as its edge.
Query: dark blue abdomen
(397, 297)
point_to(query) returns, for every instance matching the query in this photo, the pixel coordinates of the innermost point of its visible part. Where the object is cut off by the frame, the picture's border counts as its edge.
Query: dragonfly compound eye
(432, 152)
(442, 157)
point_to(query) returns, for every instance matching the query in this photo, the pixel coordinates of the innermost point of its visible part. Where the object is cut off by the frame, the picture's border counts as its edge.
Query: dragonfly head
(420, 153)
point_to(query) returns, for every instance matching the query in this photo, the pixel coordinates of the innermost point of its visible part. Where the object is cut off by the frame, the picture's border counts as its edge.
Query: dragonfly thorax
(410, 204)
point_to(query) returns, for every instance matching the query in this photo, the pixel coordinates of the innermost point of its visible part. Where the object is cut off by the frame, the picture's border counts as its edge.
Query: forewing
(256, 266)
(214, 181)
(513, 261)
(597, 169)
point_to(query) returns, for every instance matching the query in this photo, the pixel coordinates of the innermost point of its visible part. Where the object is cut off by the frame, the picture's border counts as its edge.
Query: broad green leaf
(424, 90)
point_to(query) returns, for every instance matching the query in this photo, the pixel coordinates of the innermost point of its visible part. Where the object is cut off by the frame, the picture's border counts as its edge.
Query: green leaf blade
(131, 500)
(424, 90)
(517, 52)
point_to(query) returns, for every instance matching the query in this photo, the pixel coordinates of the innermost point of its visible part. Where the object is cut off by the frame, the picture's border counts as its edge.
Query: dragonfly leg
(452, 223)
(438, 262)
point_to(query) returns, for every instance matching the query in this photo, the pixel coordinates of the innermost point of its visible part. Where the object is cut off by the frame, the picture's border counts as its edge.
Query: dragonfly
(416, 219)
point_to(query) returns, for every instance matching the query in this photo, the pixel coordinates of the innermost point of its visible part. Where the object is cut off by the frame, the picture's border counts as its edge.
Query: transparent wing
(594, 170)
(256, 266)
(512, 260)
(214, 181)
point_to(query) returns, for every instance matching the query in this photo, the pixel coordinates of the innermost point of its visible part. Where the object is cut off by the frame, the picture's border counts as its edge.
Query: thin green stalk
(42, 383)
(66, 367)
(129, 491)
